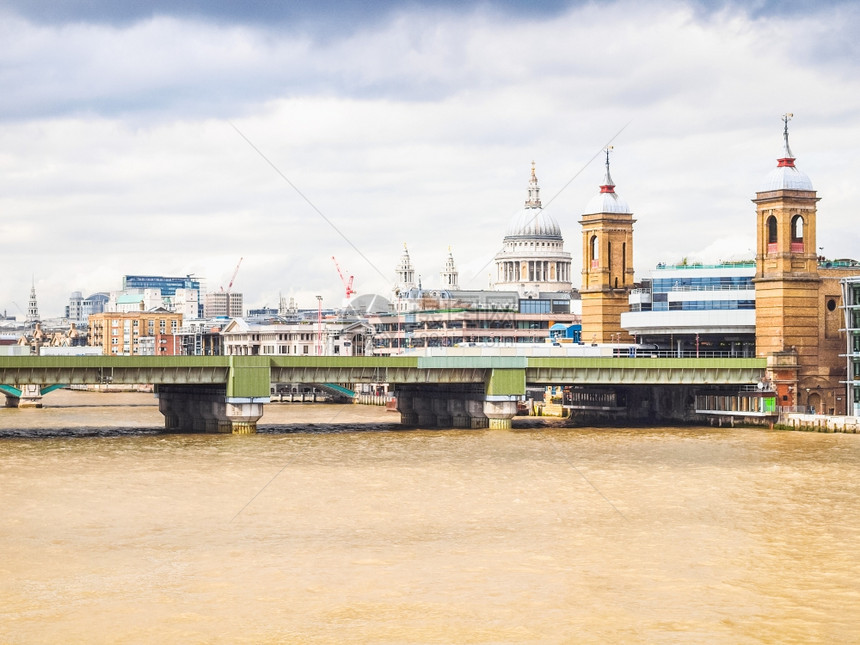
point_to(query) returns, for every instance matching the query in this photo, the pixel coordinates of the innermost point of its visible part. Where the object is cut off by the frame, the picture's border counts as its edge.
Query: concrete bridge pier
(242, 415)
(190, 409)
(500, 410)
(441, 409)
(31, 396)
(459, 415)
(475, 410)
(423, 405)
(405, 406)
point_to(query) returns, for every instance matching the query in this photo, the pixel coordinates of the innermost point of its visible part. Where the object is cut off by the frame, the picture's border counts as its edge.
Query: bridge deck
(252, 375)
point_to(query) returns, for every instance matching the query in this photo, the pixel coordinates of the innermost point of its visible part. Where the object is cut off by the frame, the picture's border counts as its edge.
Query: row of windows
(448, 342)
(666, 285)
(696, 305)
(244, 338)
(544, 306)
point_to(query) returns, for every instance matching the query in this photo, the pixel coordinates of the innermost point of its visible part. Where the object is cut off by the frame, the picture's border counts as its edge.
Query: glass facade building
(851, 303)
(168, 285)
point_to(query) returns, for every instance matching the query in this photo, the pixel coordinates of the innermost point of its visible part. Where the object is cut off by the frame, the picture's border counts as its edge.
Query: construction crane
(346, 283)
(233, 277)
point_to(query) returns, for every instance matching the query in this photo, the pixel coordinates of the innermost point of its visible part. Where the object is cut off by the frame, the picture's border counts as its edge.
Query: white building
(185, 302)
(687, 309)
(305, 338)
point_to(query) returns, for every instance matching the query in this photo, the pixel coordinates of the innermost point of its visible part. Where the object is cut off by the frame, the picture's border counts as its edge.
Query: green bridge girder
(251, 376)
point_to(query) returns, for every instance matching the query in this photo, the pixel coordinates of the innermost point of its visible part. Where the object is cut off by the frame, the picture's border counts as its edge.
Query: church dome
(607, 200)
(786, 176)
(532, 221)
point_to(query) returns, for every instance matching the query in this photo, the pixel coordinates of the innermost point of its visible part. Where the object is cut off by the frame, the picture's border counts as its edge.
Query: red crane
(233, 277)
(346, 283)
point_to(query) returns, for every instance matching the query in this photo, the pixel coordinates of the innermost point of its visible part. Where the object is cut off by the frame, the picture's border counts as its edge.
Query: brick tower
(787, 282)
(607, 264)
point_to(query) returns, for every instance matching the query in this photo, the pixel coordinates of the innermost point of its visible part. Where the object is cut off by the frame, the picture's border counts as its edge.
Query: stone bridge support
(204, 409)
(28, 395)
(464, 405)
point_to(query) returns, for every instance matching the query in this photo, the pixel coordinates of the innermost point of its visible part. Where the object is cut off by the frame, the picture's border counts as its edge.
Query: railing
(792, 409)
(671, 353)
(715, 287)
(730, 265)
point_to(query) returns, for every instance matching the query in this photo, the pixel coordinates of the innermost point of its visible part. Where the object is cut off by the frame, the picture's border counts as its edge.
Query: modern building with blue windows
(168, 285)
(695, 309)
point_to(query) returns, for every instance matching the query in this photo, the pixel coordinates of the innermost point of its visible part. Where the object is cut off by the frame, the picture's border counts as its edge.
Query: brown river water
(332, 525)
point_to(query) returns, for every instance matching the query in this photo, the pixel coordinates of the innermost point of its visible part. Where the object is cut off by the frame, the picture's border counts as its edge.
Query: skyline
(129, 141)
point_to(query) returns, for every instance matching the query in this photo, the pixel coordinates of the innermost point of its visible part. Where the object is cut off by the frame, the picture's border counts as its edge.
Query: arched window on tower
(771, 234)
(594, 251)
(797, 234)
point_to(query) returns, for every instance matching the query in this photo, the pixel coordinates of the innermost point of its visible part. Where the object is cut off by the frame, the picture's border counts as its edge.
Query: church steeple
(450, 275)
(32, 305)
(405, 273)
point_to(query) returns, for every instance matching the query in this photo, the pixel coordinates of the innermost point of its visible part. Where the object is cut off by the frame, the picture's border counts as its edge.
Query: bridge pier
(243, 415)
(191, 409)
(31, 396)
(460, 417)
(431, 407)
(478, 420)
(441, 409)
(406, 407)
(500, 410)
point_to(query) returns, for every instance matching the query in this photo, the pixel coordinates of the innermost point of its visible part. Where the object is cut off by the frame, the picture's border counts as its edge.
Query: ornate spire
(787, 156)
(32, 305)
(405, 273)
(450, 275)
(608, 185)
(534, 191)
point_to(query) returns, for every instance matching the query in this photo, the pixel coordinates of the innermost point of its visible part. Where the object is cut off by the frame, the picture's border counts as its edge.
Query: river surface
(333, 526)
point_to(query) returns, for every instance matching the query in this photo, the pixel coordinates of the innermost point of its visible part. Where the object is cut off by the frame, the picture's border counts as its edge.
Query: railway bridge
(228, 393)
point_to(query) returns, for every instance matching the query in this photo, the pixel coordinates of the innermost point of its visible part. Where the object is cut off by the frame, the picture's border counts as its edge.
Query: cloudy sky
(177, 137)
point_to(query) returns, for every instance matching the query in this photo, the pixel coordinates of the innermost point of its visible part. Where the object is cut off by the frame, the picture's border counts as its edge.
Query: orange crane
(233, 277)
(346, 283)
